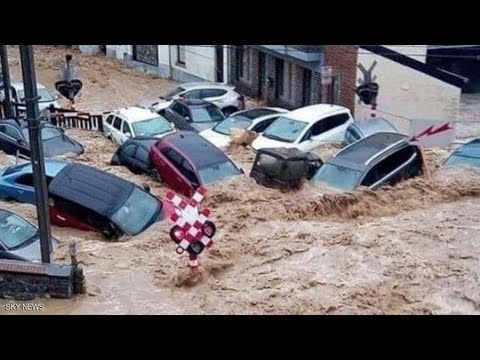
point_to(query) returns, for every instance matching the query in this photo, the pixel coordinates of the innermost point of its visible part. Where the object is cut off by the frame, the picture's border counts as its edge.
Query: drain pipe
(170, 61)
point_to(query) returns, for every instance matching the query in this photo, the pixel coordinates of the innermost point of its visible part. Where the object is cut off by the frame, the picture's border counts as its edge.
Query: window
(142, 155)
(352, 135)
(174, 157)
(212, 93)
(26, 180)
(126, 128)
(260, 128)
(193, 95)
(188, 171)
(207, 114)
(287, 87)
(180, 109)
(246, 62)
(280, 77)
(181, 55)
(15, 231)
(147, 54)
(239, 53)
(110, 119)
(130, 150)
(11, 131)
(327, 124)
(117, 123)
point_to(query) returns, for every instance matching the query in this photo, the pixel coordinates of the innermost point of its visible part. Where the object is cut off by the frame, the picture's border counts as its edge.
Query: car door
(108, 126)
(326, 131)
(117, 135)
(127, 157)
(172, 172)
(216, 96)
(12, 140)
(142, 160)
(126, 132)
(176, 115)
(23, 190)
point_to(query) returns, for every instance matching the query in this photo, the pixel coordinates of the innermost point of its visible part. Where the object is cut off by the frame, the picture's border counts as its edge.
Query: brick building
(290, 75)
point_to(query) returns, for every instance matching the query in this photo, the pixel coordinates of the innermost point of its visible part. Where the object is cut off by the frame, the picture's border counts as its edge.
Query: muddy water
(413, 249)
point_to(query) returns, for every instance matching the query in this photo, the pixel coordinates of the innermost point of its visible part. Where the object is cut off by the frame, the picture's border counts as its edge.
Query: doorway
(262, 75)
(219, 66)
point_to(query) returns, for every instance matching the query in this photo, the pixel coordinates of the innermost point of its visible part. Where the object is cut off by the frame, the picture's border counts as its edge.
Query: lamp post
(6, 82)
(36, 147)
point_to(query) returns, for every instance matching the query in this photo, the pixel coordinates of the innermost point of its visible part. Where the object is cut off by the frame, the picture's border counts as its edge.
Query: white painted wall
(407, 92)
(120, 50)
(417, 52)
(199, 61)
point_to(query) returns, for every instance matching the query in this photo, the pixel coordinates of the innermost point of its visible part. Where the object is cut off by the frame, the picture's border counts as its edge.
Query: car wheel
(110, 232)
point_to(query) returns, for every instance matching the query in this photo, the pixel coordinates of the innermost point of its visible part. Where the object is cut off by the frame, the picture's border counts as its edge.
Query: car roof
(191, 85)
(198, 150)
(358, 155)
(144, 141)
(18, 85)
(94, 189)
(194, 102)
(372, 126)
(136, 114)
(471, 149)
(52, 168)
(313, 113)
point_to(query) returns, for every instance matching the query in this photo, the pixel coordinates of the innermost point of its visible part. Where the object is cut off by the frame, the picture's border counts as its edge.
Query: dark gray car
(378, 160)
(19, 239)
(14, 137)
(193, 115)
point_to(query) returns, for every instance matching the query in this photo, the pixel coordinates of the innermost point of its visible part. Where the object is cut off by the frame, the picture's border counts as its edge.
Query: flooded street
(412, 249)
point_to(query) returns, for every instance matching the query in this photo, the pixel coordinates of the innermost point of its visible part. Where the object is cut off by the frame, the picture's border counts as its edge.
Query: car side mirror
(128, 135)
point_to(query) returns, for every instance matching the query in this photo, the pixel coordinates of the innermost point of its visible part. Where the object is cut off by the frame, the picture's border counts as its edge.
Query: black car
(14, 137)
(378, 160)
(134, 154)
(193, 115)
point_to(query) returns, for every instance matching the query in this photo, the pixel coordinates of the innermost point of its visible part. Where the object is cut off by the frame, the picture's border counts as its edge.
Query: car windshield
(218, 172)
(457, 160)
(234, 122)
(155, 126)
(48, 133)
(137, 212)
(172, 93)
(338, 177)
(15, 231)
(207, 114)
(286, 130)
(44, 94)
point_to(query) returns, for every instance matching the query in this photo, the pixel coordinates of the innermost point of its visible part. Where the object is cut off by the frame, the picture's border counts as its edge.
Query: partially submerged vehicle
(467, 155)
(135, 155)
(284, 168)
(15, 138)
(379, 160)
(361, 129)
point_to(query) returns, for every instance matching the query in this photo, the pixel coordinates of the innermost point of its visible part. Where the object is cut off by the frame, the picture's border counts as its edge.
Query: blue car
(16, 182)
(467, 155)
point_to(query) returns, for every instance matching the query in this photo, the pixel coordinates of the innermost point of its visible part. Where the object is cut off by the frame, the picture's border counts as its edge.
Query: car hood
(265, 143)
(32, 252)
(62, 145)
(219, 140)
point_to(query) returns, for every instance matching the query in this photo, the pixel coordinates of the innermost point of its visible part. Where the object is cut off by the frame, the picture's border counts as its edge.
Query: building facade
(183, 63)
(290, 76)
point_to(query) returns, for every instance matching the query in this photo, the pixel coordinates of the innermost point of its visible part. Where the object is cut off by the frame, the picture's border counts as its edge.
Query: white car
(47, 97)
(126, 123)
(257, 120)
(307, 128)
(222, 95)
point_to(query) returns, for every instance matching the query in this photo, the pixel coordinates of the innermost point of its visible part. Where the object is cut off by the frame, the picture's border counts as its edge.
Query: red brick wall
(343, 59)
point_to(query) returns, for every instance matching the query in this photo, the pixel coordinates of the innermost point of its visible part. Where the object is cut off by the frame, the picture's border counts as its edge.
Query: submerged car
(467, 155)
(257, 120)
(223, 95)
(46, 100)
(15, 138)
(86, 198)
(135, 155)
(186, 161)
(19, 239)
(306, 128)
(361, 129)
(193, 115)
(378, 160)
(123, 124)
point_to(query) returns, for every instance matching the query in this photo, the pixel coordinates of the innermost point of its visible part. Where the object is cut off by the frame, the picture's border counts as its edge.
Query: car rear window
(207, 114)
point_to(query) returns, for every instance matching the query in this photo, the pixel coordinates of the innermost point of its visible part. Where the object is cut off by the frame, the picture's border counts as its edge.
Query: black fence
(65, 118)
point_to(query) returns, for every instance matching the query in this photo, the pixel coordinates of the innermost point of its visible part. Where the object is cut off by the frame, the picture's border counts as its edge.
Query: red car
(185, 161)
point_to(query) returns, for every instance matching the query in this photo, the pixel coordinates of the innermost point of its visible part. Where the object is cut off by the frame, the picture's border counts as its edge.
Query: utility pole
(36, 147)
(6, 82)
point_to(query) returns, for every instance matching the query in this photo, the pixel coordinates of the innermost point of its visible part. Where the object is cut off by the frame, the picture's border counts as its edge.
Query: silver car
(223, 95)
(362, 129)
(19, 239)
